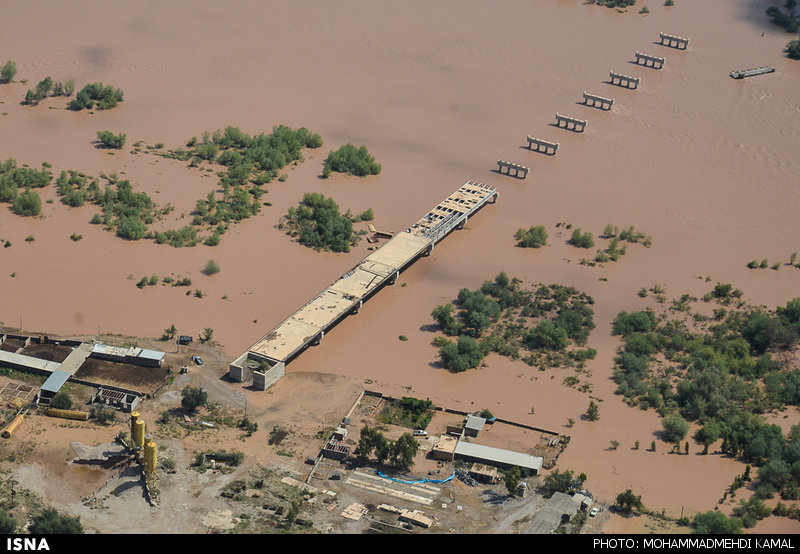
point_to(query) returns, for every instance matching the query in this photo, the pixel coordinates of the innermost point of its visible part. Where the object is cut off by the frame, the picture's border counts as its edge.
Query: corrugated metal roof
(55, 381)
(498, 455)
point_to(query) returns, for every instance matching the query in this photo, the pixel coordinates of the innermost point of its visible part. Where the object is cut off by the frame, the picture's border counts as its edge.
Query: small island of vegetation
(351, 160)
(317, 223)
(537, 325)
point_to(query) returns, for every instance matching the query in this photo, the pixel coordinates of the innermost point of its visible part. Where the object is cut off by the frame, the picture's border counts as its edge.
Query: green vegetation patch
(408, 412)
(399, 453)
(535, 237)
(317, 223)
(351, 160)
(724, 374)
(16, 184)
(104, 97)
(542, 325)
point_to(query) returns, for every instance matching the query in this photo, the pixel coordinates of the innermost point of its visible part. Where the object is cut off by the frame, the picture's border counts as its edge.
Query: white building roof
(498, 455)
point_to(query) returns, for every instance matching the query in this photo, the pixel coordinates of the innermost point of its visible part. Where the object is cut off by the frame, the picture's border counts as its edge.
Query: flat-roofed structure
(445, 448)
(497, 457)
(22, 362)
(130, 355)
(308, 325)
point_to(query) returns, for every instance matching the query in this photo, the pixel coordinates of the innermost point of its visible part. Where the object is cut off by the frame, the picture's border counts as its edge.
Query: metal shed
(53, 384)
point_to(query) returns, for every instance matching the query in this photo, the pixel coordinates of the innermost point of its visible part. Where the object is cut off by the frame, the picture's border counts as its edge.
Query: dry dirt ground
(306, 405)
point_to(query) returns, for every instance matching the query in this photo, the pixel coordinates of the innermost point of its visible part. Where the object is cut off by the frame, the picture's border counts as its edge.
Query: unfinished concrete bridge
(268, 357)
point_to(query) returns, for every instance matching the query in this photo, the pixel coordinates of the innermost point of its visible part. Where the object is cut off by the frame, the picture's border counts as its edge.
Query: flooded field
(703, 163)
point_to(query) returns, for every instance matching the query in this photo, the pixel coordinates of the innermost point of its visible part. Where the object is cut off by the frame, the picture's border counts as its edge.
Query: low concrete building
(125, 401)
(484, 473)
(444, 449)
(131, 355)
(336, 450)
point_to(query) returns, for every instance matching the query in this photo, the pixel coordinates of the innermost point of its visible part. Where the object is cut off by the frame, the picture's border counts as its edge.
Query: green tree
(512, 478)
(675, 428)
(50, 522)
(207, 334)
(593, 412)
(628, 502)
(558, 481)
(169, 333)
(193, 397)
(461, 355)
(8, 71)
(403, 451)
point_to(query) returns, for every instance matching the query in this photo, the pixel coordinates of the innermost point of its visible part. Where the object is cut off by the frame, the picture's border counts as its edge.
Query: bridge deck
(383, 265)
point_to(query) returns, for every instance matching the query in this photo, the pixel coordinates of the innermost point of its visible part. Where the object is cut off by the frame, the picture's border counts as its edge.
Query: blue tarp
(420, 481)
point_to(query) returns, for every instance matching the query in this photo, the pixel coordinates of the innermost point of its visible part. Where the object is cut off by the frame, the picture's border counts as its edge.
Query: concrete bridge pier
(649, 61)
(624, 81)
(673, 41)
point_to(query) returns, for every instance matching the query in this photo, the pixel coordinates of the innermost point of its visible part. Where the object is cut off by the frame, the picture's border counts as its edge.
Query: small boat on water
(742, 73)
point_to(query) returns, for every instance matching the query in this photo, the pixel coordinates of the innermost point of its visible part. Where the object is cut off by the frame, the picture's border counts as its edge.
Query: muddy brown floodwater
(438, 92)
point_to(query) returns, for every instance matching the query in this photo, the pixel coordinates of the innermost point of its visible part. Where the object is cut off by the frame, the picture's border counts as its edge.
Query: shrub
(7, 523)
(354, 161)
(193, 398)
(102, 413)
(131, 228)
(462, 355)
(28, 204)
(50, 522)
(793, 49)
(581, 240)
(211, 268)
(8, 71)
(106, 97)
(535, 237)
(319, 224)
(110, 140)
(61, 401)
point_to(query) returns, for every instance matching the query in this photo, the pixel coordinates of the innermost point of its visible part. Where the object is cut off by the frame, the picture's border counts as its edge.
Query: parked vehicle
(198, 360)
(420, 433)
(184, 339)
